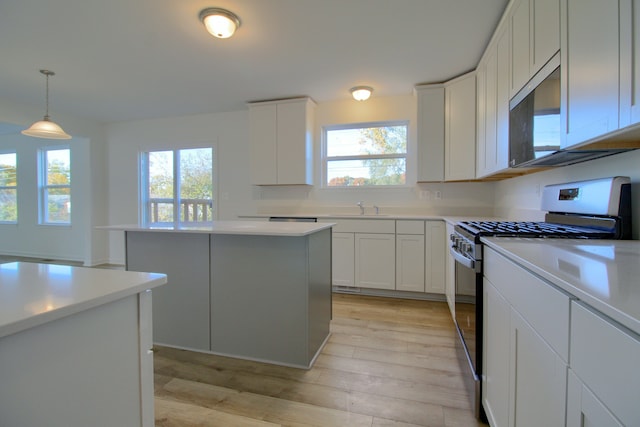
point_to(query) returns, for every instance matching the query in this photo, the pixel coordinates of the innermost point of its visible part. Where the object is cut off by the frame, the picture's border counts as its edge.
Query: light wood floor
(389, 362)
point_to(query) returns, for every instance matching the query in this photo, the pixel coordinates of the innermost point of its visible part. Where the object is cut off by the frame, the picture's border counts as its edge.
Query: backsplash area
(519, 198)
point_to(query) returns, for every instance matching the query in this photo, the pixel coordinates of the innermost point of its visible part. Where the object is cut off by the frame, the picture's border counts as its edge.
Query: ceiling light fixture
(361, 93)
(45, 128)
(220, 22)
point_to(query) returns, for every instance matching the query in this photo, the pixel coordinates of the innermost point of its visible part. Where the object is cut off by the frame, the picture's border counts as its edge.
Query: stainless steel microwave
(534, 117)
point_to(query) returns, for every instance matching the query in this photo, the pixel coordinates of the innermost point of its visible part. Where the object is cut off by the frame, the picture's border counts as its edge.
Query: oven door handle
(469, 263)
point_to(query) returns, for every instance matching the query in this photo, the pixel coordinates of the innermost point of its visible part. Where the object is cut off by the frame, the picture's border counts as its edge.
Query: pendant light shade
(220, 22)
(45, 128)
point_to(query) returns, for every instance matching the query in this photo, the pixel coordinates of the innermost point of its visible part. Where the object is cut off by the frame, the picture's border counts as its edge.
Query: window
(55, 185)
(178, 187)
(365, 155)
(8, 188)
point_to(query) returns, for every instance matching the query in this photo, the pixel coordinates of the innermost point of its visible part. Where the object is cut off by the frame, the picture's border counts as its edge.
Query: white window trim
(143, 182)
(325, 159)
(43, 186)
(12, 187)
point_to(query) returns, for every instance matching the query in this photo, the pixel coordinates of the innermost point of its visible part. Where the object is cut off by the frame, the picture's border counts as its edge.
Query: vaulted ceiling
(121, 60)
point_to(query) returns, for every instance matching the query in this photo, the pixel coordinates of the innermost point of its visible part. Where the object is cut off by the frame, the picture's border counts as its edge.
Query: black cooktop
(530, 229)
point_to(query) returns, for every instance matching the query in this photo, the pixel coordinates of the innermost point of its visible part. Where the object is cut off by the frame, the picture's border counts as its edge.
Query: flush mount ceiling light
(220, 22)
(361, 93)
(45, 128)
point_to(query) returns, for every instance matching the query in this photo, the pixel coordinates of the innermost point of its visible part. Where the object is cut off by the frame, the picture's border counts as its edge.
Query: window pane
(351, 173)
(58, 202)
(8, 205)
(58, 167)
(8, 176)
(160, 173)
(196, 185)
(367, 141)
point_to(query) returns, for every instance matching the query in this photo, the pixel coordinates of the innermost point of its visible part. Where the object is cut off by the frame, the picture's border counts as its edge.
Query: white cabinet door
(281, 141)
(605, 358)
(430, 132)
(538, 378)
(545, 37)
(435, 257)
(460, 130)
(450, 272)
(590, 69)
(375, 261)
(410, 262)
(263, 137)
(495, 380)
(520, 45)
(343, 259)
(584, 408)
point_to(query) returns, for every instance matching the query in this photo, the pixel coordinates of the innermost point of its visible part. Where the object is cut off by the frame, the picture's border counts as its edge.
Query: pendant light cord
(46, 114)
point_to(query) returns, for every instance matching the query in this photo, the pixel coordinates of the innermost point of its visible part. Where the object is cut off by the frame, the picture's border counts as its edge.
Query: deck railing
(160, 210)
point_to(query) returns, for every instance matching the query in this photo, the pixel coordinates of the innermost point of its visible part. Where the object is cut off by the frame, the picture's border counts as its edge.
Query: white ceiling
(134, 59)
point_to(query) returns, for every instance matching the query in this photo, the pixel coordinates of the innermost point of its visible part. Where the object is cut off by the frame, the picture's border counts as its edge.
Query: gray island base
(252, 290)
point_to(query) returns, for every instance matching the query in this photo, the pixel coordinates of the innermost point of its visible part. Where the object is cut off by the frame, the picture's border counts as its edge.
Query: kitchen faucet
(361, 205)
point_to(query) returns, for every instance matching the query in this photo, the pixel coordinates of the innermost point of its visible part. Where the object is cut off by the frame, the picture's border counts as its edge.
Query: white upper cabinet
(282, 142)
(430, 132)
(591, 68)
(535, 38)
(493, 108)
(460, 128)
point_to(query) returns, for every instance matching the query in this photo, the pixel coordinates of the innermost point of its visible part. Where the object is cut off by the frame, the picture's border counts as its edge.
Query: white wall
(80, 241)
(519, 198)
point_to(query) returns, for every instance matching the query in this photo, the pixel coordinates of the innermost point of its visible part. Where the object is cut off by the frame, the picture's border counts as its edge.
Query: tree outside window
(178, 187)
(366, 155)
(8, 188)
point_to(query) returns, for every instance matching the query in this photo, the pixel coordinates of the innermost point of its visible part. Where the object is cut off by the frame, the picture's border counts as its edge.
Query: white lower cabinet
(604, 380)
(343, 259)
(434, 257)
(538, 378)
(397, 255)
(375, 261)
(410, 259)
(410, 262)
(526, 324)
(450, 272)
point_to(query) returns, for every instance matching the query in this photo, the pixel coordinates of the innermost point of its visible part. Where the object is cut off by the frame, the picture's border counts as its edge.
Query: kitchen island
(75, 346)
(254, 290)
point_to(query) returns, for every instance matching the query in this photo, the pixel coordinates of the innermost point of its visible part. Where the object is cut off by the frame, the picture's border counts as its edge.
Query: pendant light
(45, 128)
(220, 22)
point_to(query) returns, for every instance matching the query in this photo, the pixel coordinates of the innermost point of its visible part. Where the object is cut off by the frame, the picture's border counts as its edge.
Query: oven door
(468, 319)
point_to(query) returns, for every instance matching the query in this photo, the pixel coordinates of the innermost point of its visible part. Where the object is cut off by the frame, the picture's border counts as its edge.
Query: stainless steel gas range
(594, 209)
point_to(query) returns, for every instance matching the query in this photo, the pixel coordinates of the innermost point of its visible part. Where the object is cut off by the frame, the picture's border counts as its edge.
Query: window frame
(144, 216)
(44, 186)
(363, 125)
(12, 187)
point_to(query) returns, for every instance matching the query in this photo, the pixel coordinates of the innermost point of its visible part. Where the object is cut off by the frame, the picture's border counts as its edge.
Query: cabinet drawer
(545, 307)
(377, 226)
(409, 227)
(605, 357)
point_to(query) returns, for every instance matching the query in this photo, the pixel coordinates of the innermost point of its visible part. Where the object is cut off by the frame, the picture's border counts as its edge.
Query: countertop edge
(590, 300)
(153, 281)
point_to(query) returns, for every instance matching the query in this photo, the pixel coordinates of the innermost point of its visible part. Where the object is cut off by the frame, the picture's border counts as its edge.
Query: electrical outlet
(425, 195)
(438, 195)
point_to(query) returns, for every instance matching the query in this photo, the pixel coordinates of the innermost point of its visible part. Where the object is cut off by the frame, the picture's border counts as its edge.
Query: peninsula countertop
(605, 274)
(33, 294)
(254, 228)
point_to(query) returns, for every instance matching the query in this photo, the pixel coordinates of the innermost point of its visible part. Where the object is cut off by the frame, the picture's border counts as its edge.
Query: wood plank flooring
(389, 362)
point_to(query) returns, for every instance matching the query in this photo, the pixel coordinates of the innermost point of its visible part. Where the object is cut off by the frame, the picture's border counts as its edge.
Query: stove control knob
(466, 247)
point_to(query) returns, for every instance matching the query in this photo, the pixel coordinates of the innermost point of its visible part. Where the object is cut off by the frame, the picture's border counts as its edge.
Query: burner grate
(531, 229)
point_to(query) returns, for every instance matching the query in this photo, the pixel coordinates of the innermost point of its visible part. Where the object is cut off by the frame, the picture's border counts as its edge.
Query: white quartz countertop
(256, 228)
(32, 294)
(605, 274)
(452, 219)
